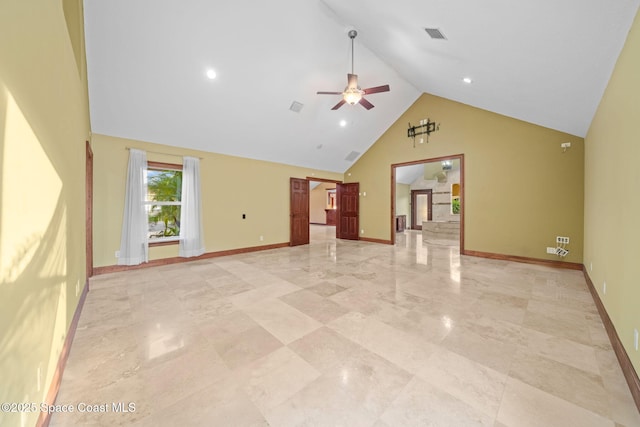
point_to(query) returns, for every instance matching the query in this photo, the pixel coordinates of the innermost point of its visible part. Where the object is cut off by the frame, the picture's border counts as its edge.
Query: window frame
(161, 166)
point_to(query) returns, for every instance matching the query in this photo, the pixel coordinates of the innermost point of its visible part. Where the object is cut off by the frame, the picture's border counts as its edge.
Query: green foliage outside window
(164, 186)
(455, 206)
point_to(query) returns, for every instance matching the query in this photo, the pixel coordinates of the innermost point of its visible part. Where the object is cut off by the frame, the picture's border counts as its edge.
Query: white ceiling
(408, 174)
(545, 62)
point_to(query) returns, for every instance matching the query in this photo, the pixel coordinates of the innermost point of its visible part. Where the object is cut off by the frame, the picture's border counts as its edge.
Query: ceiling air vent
(296, 106)
(352, 156)
(435, 33)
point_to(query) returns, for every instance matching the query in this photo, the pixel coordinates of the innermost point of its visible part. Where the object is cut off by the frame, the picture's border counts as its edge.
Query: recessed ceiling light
(211, 73)
(343, 123)
(467, 80)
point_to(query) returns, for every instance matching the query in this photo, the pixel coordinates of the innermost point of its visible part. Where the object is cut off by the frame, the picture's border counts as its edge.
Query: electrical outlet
(77, 287)
(117, 254)
(562, 240)
(551, 250)
(362, 231)
(635, 339)
(591, 266)
(604, 287)
(261, 238)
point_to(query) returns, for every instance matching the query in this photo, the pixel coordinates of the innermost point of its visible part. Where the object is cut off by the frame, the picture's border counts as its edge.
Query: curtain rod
(163, 154)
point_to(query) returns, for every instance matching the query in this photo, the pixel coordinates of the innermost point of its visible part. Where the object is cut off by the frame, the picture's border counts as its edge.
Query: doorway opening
(339, 201)
(427, 199)
(323, 205)
(421, 207)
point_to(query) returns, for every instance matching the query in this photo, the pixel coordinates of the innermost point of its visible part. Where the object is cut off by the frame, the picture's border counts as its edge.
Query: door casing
(89, 209)
(414, 210)
(392, 212)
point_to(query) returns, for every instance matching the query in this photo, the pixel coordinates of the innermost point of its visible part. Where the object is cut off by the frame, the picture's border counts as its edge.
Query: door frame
(429, 160)
(88, 210)
(414, 195)
(308, 179)
(313, 178)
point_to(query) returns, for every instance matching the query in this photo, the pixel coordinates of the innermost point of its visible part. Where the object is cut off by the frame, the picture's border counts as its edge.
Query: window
(164, 201)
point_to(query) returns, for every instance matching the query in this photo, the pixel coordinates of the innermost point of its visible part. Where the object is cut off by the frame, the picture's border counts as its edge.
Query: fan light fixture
(352, 95)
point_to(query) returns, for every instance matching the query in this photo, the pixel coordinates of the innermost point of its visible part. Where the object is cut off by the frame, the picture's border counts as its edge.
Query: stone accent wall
(441, 195)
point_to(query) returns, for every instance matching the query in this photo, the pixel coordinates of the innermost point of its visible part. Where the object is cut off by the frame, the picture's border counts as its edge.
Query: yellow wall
(521, 190)
(612, 206)
(230, 186)
(403, 201)
(43, 128)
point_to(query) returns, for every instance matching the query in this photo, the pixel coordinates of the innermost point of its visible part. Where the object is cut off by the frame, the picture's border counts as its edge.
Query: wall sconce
(425, 127)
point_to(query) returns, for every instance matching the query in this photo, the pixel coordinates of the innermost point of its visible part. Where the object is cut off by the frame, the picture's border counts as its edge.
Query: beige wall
(43, 128)
(612, 206)
(318, 203)
(541, 188)
(231, 186)
(403, 201)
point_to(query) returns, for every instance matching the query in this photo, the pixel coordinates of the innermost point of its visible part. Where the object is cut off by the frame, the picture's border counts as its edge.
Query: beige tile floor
(342, 333)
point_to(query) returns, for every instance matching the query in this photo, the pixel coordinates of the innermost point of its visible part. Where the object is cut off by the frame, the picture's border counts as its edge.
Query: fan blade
(377, 89)
(339, 104)
(329, 93)
(366, 104)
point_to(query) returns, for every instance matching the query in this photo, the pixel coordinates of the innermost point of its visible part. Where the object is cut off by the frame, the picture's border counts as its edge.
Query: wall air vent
(435, 33)
(296, 106)
(352, 156)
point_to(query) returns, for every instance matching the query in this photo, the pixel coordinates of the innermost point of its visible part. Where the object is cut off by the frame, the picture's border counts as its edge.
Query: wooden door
(421, 199)
(299, 212)
(347, 223)
(89, 209)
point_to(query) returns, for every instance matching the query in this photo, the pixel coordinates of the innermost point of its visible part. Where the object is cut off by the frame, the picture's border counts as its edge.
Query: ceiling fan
(352, 94)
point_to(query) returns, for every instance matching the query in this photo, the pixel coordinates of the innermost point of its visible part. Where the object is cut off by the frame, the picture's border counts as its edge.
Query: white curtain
(134, 246)
(191, 237)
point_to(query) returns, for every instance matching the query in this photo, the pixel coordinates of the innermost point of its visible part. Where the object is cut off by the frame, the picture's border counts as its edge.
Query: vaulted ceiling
(545, 62)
